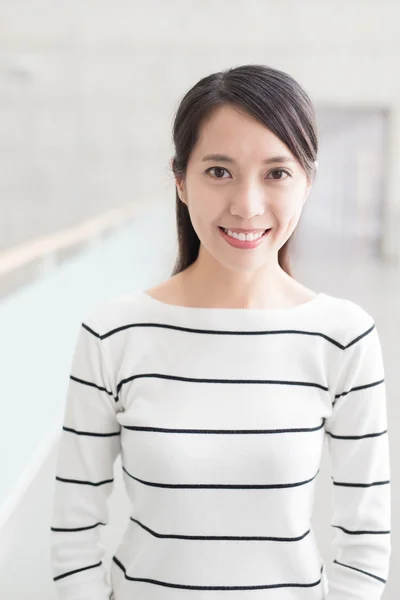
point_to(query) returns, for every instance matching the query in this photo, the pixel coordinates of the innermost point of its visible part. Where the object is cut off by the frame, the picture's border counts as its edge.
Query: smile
(240, 241)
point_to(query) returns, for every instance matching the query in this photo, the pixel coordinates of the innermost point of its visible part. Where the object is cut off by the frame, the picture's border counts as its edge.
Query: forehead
(233, 131)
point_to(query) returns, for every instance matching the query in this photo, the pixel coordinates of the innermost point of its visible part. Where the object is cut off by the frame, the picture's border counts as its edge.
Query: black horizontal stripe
(221, 486)
(360, 532)
(228, 332)
(92, 331)
(85, 382)
(74, 529)
(362, 485)
(359, 337)
(76, 571)
(356, 437)
(223, 381)
(356, 388)
(91, 384)
(70, 429)
(223, 431)
(214, 331)
(221, 537)
(361, 571)
(213, 587)
(84, 482)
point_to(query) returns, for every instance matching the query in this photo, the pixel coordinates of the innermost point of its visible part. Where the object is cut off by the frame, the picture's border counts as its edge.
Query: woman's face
(244, 192)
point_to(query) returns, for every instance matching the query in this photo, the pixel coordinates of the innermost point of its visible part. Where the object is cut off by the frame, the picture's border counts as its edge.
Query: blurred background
(87, 199)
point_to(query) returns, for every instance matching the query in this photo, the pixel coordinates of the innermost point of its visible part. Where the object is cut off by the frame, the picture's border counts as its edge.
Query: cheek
(292, 222)
(287, 218)
(288, 210)
(205, 212)
(283, 215)
(203, 217)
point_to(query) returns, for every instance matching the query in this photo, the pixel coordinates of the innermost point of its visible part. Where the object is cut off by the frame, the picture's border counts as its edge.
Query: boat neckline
(220, 309)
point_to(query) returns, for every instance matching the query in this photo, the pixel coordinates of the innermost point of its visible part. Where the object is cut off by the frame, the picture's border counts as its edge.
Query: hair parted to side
(272, 97)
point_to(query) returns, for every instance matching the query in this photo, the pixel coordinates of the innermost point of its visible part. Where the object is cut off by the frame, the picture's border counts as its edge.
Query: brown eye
(220, 170)
(217, 169)
(280, 171)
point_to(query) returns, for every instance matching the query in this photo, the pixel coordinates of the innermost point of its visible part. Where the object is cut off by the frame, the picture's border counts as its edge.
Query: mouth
(225, 230)
(241, 242)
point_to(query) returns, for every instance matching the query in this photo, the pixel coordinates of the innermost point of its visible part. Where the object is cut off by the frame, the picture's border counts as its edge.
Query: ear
(308, 188)
(178, 182)
(180, 186)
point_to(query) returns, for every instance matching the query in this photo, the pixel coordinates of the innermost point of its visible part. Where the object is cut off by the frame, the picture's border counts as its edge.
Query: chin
(244, 266)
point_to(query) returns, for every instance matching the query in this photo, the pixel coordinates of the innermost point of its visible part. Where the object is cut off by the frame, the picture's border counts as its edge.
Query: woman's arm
(89, 445)
(360, 468)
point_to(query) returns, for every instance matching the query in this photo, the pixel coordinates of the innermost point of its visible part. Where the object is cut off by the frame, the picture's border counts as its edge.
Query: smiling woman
(245, 160)
(220, 388)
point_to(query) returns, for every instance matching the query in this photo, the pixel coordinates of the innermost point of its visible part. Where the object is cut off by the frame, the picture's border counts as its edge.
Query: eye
(219, 169)
(280, 171)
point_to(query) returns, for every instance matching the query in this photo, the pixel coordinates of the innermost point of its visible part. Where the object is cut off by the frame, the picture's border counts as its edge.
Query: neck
(208, 283)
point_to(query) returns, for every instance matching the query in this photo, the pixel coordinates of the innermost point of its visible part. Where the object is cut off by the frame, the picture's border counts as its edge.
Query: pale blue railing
(40, 322)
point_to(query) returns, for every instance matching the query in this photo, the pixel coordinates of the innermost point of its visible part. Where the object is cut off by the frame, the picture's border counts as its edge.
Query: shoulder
(114, 313)
(349, 319)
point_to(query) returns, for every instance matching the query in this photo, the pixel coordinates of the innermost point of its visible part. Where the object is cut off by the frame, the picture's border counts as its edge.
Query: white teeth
(248, 237)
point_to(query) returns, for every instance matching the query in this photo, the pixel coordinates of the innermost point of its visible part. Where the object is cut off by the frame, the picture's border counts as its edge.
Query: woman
(219, 386)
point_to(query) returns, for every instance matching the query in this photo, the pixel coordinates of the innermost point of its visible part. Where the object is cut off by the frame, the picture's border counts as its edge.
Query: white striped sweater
(220, 416)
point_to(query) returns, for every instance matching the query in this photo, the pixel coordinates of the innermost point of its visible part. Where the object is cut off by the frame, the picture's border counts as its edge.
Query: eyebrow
(228, 159)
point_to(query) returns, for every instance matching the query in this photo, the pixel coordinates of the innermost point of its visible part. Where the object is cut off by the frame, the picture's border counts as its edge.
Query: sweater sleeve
(358, 447)
(89, 445)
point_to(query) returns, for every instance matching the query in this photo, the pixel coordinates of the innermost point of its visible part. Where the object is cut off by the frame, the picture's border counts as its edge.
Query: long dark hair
(272, 97)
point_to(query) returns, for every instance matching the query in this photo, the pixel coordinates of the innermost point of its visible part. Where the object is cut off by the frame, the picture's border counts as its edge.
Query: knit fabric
(220, 417)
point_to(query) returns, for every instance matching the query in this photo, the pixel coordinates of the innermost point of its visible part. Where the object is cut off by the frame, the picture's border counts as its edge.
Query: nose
(248, 201)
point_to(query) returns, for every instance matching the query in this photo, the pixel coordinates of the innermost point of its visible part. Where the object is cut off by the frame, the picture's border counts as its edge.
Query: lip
(236, 230)
(243, 245)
